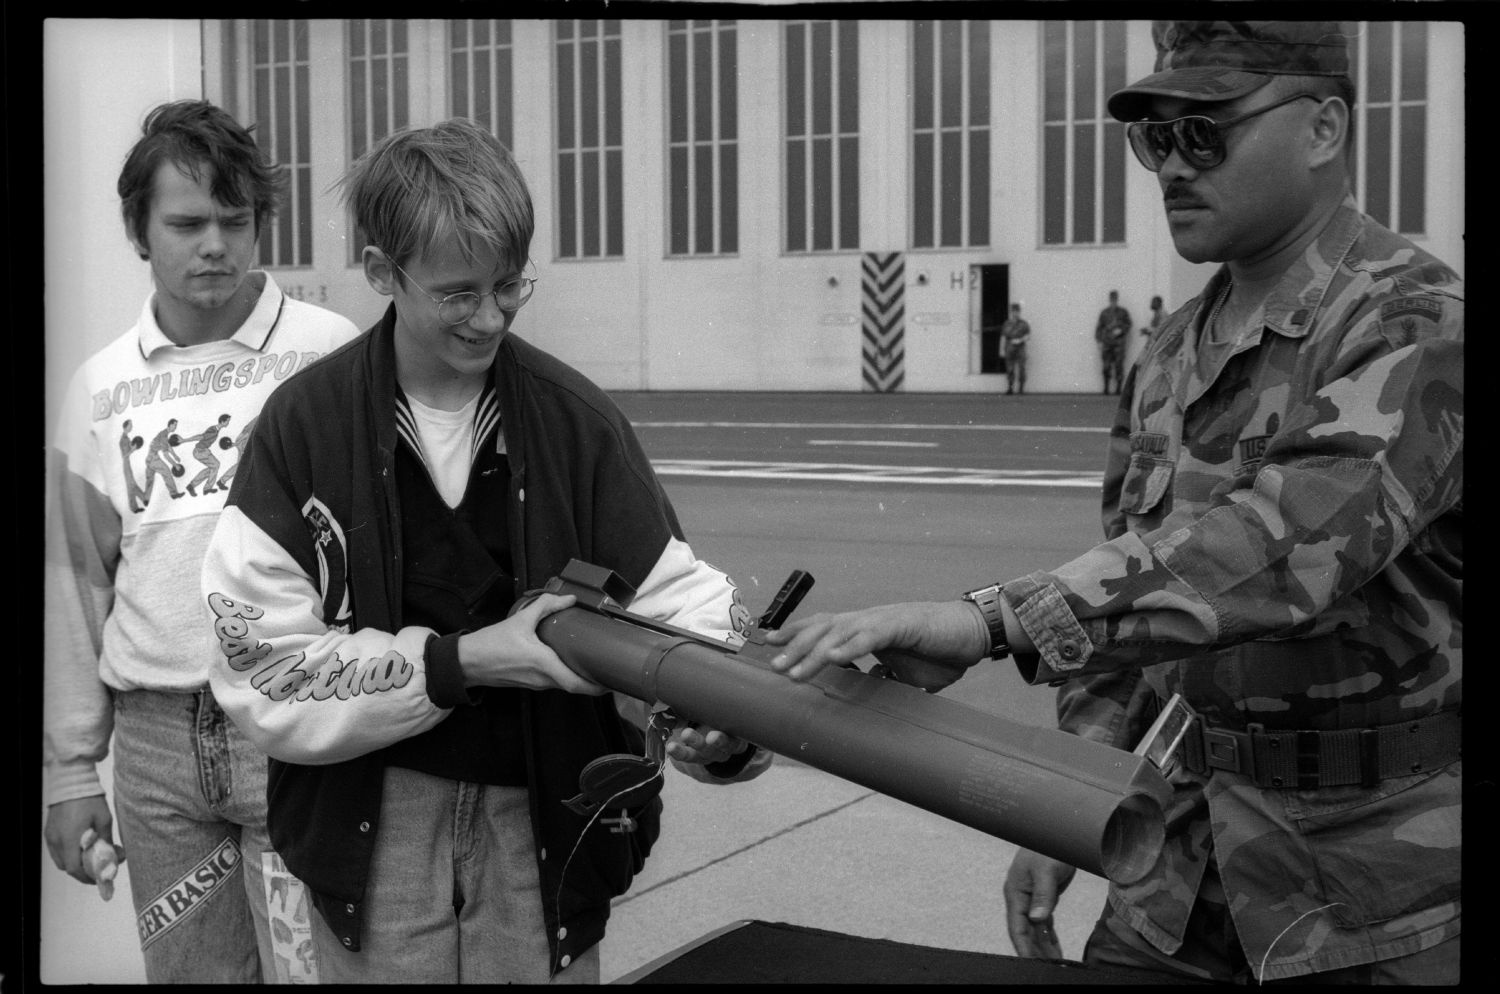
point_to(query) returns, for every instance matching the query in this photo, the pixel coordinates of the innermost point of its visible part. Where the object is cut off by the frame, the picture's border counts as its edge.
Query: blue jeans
(190, 804)
(453, 895)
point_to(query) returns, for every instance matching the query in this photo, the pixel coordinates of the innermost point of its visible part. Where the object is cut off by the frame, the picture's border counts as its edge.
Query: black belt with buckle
(1311, 759)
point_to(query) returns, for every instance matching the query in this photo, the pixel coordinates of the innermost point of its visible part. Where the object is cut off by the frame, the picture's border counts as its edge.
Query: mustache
(1177, 197)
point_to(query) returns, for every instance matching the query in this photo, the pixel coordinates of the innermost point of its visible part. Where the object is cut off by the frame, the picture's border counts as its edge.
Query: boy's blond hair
(454, 179)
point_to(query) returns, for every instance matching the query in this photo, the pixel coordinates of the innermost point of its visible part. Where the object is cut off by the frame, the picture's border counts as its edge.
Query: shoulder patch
(1422, 306)
(1405, 319)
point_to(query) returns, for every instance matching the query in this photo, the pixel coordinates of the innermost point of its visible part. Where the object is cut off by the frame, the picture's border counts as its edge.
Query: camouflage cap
(1224, 60)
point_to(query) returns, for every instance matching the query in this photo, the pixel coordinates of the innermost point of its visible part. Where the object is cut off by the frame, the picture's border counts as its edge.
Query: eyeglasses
(456, 308)
(1199, 139)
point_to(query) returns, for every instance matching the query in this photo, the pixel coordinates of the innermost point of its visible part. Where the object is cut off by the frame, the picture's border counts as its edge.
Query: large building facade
(756, 204)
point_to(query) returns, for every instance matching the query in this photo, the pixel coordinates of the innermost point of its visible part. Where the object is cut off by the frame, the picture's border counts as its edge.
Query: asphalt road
(881, 498)
(900, 522)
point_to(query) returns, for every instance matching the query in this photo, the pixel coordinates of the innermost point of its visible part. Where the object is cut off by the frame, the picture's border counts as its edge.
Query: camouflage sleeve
(1113, 708)
(1369, 457)
(1117, 460)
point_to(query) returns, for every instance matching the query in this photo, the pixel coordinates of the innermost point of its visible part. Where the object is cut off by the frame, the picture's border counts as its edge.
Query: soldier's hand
(1032, 888)
(928, 645)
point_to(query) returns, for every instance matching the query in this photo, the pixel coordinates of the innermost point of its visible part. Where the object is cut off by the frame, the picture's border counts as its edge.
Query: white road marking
(836, 441)
(865, 427)
(868, 473)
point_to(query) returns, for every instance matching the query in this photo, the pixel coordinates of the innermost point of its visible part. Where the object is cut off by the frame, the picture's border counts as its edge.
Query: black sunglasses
(1200, 139)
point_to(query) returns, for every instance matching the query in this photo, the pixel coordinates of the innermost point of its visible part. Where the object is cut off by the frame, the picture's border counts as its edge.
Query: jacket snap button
(364, 826)
(566, 960)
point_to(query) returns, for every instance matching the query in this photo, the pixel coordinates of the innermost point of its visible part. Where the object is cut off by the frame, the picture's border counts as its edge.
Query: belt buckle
(1164, 742)
(1224, 751)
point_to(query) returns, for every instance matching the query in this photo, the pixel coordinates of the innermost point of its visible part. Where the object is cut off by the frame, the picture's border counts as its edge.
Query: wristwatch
(987, 599)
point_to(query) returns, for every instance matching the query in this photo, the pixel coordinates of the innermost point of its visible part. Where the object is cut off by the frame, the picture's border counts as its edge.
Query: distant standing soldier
(1158, 316)
(1014, 334)
(1111, 334)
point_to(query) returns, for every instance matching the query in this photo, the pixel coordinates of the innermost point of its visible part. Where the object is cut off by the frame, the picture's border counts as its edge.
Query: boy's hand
(508, 653)
(68, 822)
(698, 744)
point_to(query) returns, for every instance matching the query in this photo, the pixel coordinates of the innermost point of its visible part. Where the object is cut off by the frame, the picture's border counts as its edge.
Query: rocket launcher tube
(1087, 804)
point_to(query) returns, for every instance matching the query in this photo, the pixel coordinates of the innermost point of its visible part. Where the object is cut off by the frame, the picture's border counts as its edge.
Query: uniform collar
(1292, 306)
(1288, 311)
(254, 334)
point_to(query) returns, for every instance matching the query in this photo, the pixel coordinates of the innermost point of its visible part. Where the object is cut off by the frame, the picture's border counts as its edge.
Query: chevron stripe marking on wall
(883, 353)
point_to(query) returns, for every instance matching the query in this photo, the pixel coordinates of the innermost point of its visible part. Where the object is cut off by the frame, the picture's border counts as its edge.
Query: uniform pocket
(1386, 851)
(1146, 482)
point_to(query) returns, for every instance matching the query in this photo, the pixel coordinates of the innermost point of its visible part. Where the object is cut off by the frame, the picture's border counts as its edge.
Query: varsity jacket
(303, 584)
(125, 534)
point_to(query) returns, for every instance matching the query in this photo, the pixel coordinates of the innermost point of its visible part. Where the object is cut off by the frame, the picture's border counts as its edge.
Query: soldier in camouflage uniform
(1283, 512)
(1111, 333)
(1014, 334)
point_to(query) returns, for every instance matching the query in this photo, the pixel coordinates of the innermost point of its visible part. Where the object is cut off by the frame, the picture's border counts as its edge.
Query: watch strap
(987, 599)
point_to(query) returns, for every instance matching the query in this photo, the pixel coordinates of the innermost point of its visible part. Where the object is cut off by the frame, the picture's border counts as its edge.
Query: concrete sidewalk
(800, 846)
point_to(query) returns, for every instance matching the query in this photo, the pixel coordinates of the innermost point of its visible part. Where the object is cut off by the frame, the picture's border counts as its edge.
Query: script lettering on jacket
(284, 678)
(232, 626)
(199, 380)
(190, 891)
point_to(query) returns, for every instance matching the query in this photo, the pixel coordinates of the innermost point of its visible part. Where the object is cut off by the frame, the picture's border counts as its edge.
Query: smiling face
(442, 363)
(1244, 207)
(200, 249)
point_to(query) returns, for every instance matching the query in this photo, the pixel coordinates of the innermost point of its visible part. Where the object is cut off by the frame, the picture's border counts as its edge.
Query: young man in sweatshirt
(124, 653)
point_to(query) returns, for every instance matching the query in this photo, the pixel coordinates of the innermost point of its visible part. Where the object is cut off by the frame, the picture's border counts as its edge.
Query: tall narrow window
(702, 138)
(950, 133)
(1388, 63)
(822, 135)
(590, 154)
(1083, 148)
(378, 92)
(479, 74)
(279, 97)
